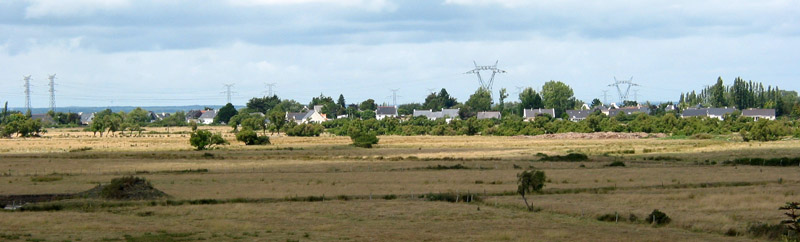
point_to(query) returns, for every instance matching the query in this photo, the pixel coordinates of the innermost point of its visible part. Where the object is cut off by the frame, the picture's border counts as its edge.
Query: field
(322, 188)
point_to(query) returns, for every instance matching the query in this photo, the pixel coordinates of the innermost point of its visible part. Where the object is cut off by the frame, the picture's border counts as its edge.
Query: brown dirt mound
(598, 135)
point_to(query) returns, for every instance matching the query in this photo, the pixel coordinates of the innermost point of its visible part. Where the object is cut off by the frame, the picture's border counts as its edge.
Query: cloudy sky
(180, 52)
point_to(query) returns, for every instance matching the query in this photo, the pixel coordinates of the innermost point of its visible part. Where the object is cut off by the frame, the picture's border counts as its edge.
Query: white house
(447, 114)
(530, 114)
(489, 115)
(386, 112)
(309, 116)
(208, 117)
(755, 113)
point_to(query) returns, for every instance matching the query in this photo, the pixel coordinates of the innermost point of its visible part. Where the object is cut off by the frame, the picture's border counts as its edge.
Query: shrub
(609, 217)
(702, 136)
(202, 139)
(130, 187)
(768, 231)
(250, 137)
(616, 164)
(305, 130)
(364, 139)
(658, 218)
(568, 157)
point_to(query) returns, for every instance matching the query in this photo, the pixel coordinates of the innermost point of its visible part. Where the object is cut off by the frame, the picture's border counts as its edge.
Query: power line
(477, 71)
(394, 97)
(623, 96)
(52, 84)
(605, 97)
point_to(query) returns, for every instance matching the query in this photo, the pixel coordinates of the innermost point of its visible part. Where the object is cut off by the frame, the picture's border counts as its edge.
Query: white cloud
(64, 8)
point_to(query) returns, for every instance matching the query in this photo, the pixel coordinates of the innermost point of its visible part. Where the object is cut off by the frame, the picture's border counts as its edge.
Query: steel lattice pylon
(477, 71)
(623, 96)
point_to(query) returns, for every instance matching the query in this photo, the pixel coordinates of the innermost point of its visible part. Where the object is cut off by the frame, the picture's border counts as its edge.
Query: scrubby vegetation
(764, 162)
(203, 139)
(126, 188)
(250, 137)
(658, 218)
(530, 181)
(568, 157)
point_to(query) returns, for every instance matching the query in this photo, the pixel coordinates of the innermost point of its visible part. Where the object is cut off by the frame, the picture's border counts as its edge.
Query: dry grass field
(377, 194)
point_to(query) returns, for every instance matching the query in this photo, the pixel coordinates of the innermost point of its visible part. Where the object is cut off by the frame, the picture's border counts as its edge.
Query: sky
(182, 52)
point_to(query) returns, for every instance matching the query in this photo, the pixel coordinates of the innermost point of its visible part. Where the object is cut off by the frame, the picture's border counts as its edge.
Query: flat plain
(321, 188)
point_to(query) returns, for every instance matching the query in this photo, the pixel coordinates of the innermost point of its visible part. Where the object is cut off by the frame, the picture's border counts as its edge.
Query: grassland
(257, 188)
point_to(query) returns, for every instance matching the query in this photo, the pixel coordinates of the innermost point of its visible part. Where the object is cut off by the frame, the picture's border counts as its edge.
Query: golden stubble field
(704, 201)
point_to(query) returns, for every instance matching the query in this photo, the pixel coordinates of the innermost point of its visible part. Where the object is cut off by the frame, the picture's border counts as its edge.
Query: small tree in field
(793, 221)
(530, 181)
(203, 139)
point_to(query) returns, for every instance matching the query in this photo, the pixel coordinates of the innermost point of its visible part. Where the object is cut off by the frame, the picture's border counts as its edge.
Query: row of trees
(15, 123)
(669, 123)
(742, 95)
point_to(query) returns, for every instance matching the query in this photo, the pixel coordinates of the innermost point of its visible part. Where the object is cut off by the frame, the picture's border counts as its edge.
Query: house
(578, 115)
(86, 118)
(386, 112)
(193, 115)
(628, 111)
(530, 114)
(489, 115)
(43, 117)
(447, 114)
(309, 116)
(208, 117)
(717, 113)
(758, 114)
(157, 116)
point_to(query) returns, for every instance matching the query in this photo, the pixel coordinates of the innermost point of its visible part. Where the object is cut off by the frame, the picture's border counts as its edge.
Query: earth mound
(125, 188)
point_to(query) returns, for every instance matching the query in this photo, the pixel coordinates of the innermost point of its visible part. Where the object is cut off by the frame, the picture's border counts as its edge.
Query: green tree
(503, 96)
(277, 117)
(438, 101)
(138, 116)
(596, 103)
(368, 104)
(225, 114)
(529, 99)
(263, 104)
(528, 182)
(203, 139)
(558, 96)
(250, 137)
(718, 94)
(480, 101)
(341, 102)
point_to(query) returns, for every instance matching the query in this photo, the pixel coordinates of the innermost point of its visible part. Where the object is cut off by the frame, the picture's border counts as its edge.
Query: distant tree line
(743, 95)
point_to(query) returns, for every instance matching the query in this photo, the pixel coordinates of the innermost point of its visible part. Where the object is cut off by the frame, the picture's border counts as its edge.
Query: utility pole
(270, 86)
(394, 96)
(617, 83)
(605, 97)
(27, 92)
(431, 90)
(52, 85)
(477, 71)
(228, 92)
(636, 96)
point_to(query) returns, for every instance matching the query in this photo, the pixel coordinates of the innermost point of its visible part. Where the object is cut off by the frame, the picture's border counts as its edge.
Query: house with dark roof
(86, 118)
(489, 115)
(309, 116)
(43, 117)
(531, 114)
(446, 114)
(578, 115)
(386, 112)
(194, 115)
(717, 113)
(629, 111)
(208, 117)
(758, 114)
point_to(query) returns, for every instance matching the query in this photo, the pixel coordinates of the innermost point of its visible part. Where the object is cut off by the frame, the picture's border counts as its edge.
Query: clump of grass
(453, 167)
(568, 157)
(658, 218)
(609, 217)
(785, 161)
(47, 178)
(390, 197)
(616, 164)
(81, 149)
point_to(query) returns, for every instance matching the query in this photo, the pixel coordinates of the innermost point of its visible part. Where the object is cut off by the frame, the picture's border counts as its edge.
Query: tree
(203, 139)
(368, 104)
(250, 137)
(529, 99)
(718, 94)
(264, 104)
(341, 101)
(558, 96)
(503, 96)
(596, 103)
(480, 101)
(138, 116)
(530, 181)
(225, 114)
(439, 101)
(277, 117)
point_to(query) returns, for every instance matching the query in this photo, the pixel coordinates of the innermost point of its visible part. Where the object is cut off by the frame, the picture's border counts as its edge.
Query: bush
(364, 139)
(130, 187)
(305, 130)
(616, 164)
(768, 231)
(568, 157)
(202, 139)
(658, 218)
(609, 217)
(250, 137)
